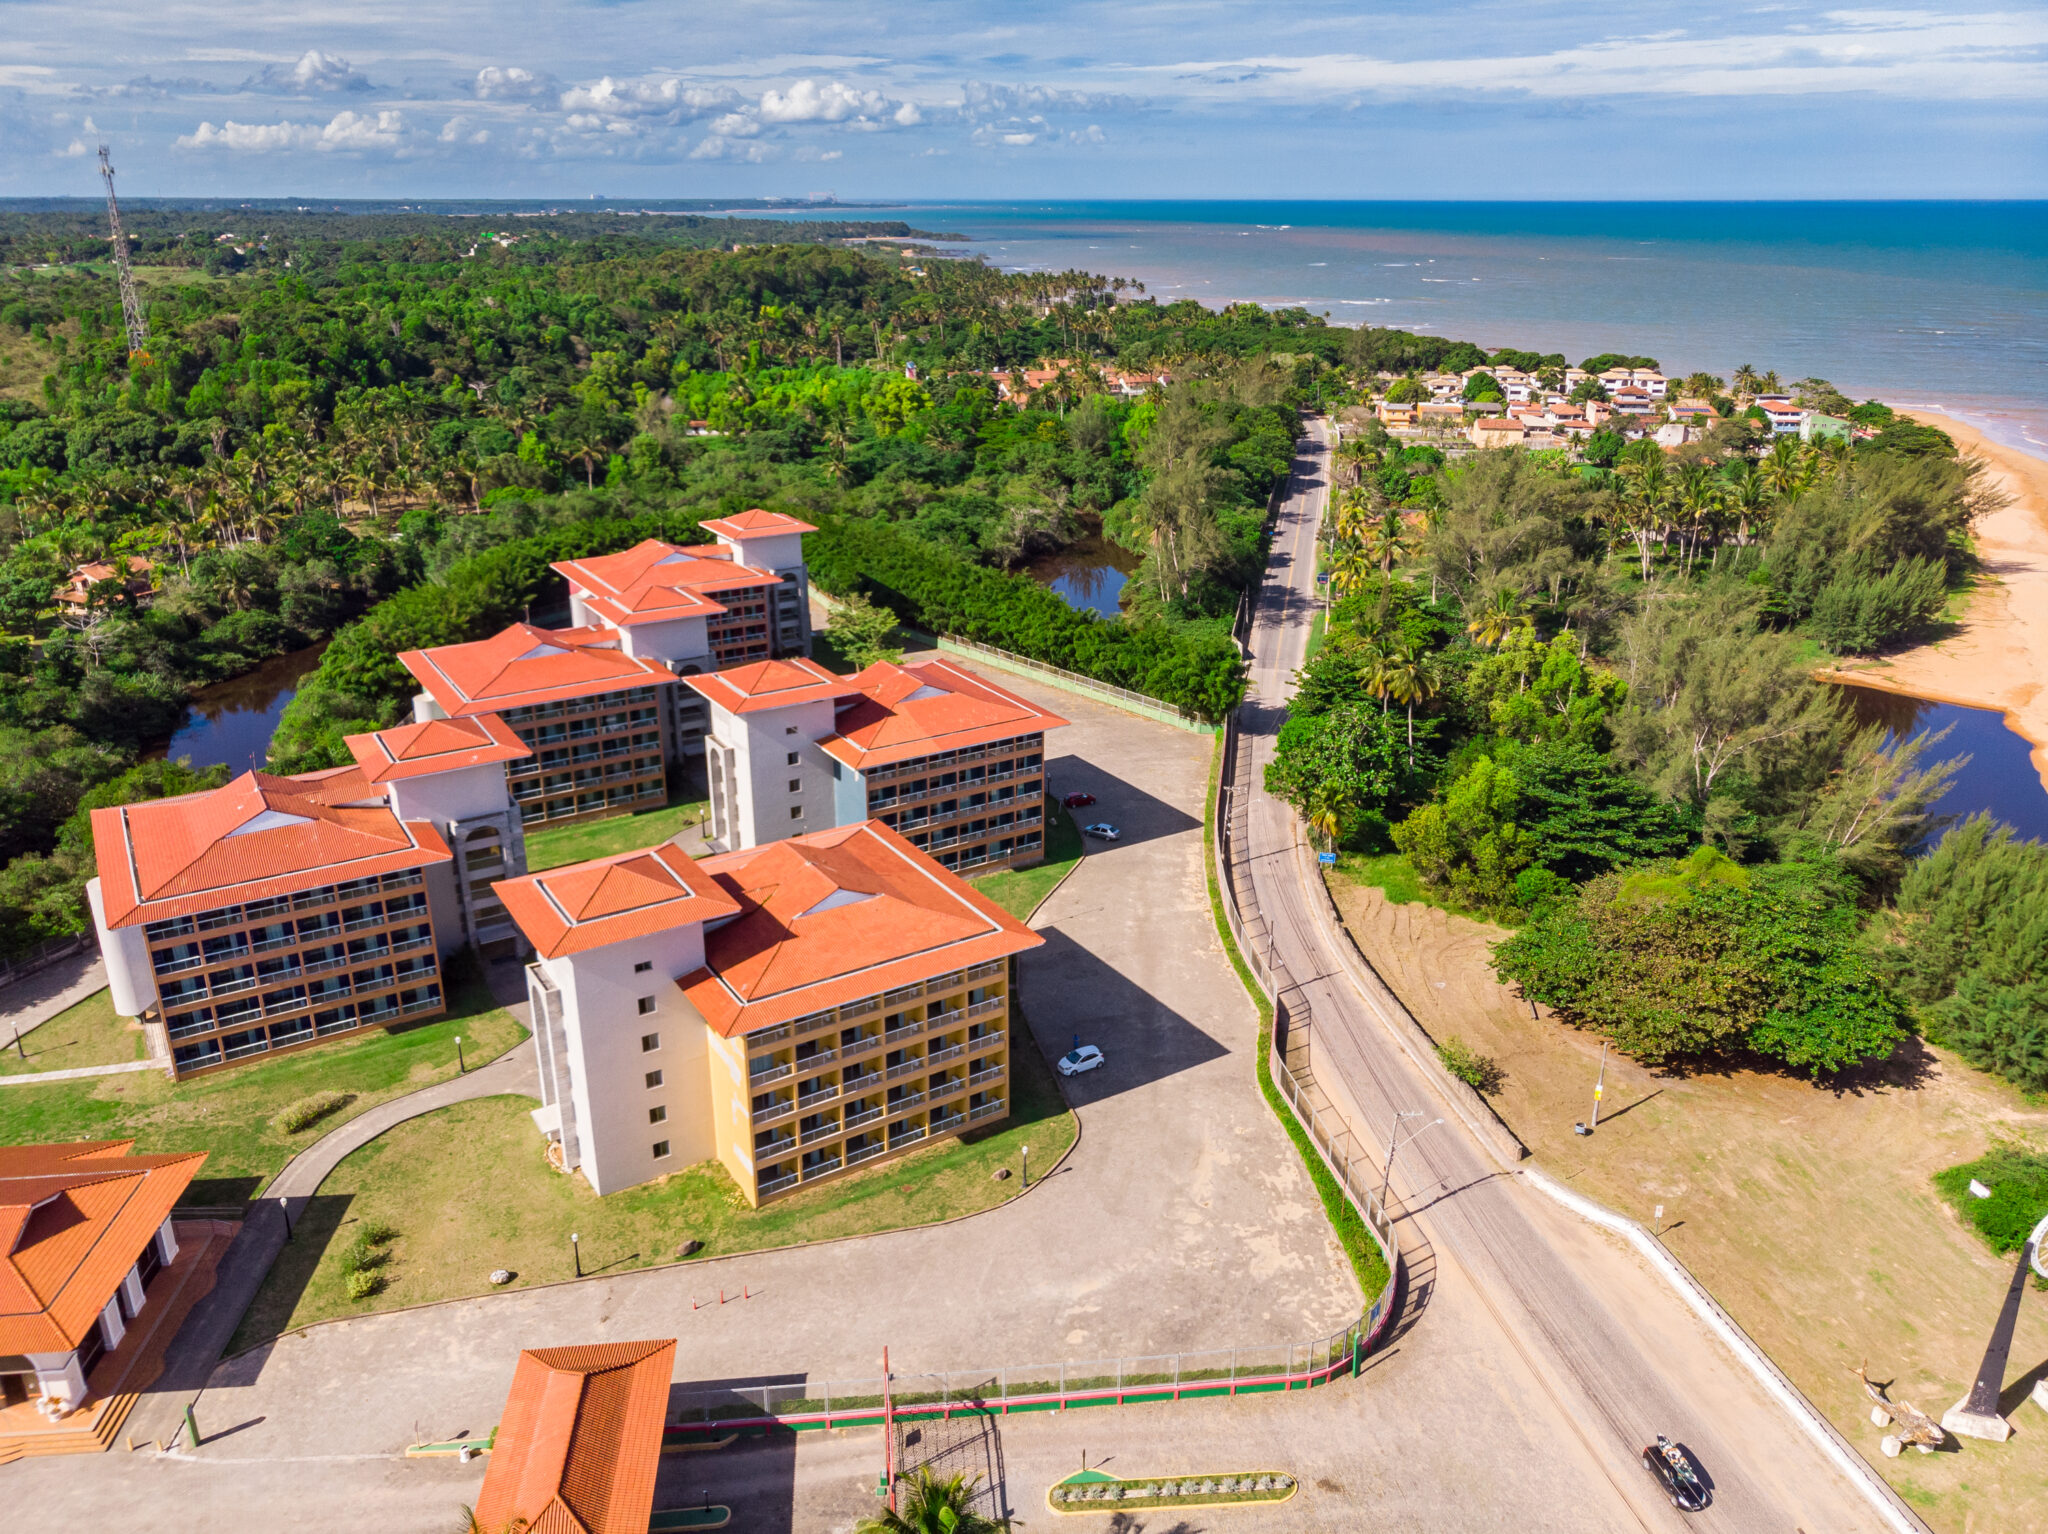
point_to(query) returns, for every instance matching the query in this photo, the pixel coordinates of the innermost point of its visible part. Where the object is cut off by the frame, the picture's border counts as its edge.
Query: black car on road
(1679, 1475)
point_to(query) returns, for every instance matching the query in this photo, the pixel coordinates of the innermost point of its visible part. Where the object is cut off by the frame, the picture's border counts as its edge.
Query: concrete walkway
(191, 1358)
(43, 1078)
(33, 1002)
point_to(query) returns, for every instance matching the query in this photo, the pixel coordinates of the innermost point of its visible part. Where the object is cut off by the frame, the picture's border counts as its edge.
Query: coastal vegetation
(1579, 701)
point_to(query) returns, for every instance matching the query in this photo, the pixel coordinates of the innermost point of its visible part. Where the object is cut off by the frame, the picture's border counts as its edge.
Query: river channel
(230, 723)
(2000, 776)
(1089, 574)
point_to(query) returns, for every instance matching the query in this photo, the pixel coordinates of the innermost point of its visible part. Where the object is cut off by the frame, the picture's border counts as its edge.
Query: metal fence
(799, 1405)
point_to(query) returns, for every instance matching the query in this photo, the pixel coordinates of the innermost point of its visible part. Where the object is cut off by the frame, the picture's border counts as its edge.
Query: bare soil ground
(1806, 1209)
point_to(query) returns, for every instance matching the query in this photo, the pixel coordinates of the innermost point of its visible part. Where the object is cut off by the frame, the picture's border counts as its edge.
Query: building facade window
(660, 1149)
(643, 966)
(796, 812)
(649, 1042)
(653, 1080)
(645, 1004)
(657, 1115)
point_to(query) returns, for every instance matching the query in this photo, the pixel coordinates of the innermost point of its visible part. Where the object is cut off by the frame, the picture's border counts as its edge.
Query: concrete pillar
(59, 1377)
(112, 1327)
(131, 1287)
(167, 1242)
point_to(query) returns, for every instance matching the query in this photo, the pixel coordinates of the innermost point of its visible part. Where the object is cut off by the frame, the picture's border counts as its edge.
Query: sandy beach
(1998, 658)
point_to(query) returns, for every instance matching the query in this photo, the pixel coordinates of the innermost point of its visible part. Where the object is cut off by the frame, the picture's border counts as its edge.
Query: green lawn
(467, 1190)
(602, 838)
(229, 1114)
(89, 1033)
(1390, 872)
(1021, 890)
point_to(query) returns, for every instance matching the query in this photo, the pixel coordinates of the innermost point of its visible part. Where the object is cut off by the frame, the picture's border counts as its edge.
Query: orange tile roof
(610, 900)
(653, 581)
(580, 1441)
(926, 706)
(835, 916)
(525, 665)
(438, 745)
(73, 1219)
(755, 524)
(771, 684)
(251, 839)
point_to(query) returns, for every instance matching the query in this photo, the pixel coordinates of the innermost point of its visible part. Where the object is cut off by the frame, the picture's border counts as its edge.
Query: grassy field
(467, 1190)
(602, 838)
(1809, 1210)
(86, 1034)
(229, 1115)
(1020, 891)
(1389, 872)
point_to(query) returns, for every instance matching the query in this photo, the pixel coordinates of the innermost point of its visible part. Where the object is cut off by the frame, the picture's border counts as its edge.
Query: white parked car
(1103, 830)
(1076, 1061)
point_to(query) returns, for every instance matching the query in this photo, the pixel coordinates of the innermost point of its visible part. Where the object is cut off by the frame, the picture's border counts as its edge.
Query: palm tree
(1501, 617)
(1784, 475)
(1747, 380)
(472, 1525)
(929, 1505)
(1411, 680)
(1350, 567)
(1745, 494)
(1326, 819)
(1386, 543)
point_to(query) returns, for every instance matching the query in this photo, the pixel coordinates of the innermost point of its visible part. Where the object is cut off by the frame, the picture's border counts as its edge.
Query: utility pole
(1394, 1144)
(131, 306)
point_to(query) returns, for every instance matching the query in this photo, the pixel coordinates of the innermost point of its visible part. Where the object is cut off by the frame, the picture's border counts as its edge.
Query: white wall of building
(131, 978)
(455, 795)
(762, 742)
(677, 643)
(779, 552)
(603, 1027)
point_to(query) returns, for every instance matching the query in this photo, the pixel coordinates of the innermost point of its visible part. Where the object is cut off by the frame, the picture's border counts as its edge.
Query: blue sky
(939, 98)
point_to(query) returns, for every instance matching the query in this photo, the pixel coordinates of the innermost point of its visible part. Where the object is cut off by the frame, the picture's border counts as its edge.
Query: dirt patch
(1807, 1210)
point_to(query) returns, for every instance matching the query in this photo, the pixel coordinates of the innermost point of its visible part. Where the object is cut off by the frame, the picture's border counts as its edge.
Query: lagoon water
(2000, 776)
(1089, 575)
(1915, 302)
(231, 722)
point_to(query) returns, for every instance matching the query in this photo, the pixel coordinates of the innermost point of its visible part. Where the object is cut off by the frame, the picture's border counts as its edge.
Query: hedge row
(1196, 669)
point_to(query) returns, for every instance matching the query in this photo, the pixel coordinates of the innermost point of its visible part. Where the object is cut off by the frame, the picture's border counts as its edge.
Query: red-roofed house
(795, 1010)
(75, 595)
(85, 1234)
(578, 1446)
(932, 749)
(266, 914)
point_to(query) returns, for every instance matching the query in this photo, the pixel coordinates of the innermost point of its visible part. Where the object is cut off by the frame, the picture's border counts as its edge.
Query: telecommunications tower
(131, 306)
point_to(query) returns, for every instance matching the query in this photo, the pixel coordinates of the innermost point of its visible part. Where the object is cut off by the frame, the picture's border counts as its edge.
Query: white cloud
(979, 99)
(346, 131)
(72, 150)
(314, 73)
(457, 130)
(511, 83)
(833, 102)
(667, 99)
(745, 151)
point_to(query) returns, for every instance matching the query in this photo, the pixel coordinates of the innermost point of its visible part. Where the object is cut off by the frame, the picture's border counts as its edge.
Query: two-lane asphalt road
(1622, 1361)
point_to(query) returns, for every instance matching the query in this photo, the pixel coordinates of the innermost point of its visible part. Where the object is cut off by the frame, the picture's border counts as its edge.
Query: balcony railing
(902, 1104)
(822, 1132)
(865, 1116)
(983, 1041)
(821, 1169)
(427, 1005)
(936, 1055)
(821, 1057)
(234, 987)
(186, 1030)
(776, 1184)
(866, 1153)
(911, 1134)
(907, 1068)
(950, 1088)
(773, 1035)
(773, 1114)
(296, 1036)
(810, 1099)
(987, 1005)
(860, 1046)
(942, 1123)
(773, 1073)
(271, 945)
(253, 1047)
(902, 1031)
(179, 966)
(776, 1146)
(976, 1078)
(987, 1110)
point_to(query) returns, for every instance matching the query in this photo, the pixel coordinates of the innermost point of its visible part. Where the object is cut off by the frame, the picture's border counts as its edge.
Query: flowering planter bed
(1091, 1491)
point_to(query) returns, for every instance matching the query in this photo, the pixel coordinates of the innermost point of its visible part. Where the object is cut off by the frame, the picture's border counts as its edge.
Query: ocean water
(1936, 304)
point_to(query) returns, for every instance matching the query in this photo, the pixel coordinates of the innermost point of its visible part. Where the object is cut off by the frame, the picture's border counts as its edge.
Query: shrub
(362, 1285)
(1482, 1073)
(308, 1111)
(2018, 1180)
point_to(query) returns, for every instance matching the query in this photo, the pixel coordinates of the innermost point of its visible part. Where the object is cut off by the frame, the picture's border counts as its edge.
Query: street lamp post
(1026, 1152)
(576, 1253)
(1599, 1086)
(1394, 1144)
(460, 1068)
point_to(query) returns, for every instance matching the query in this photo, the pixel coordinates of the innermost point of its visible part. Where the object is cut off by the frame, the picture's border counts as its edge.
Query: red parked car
(1078, 801)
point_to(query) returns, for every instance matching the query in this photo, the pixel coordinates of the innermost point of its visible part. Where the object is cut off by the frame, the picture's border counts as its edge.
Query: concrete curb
(1897, 1514)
